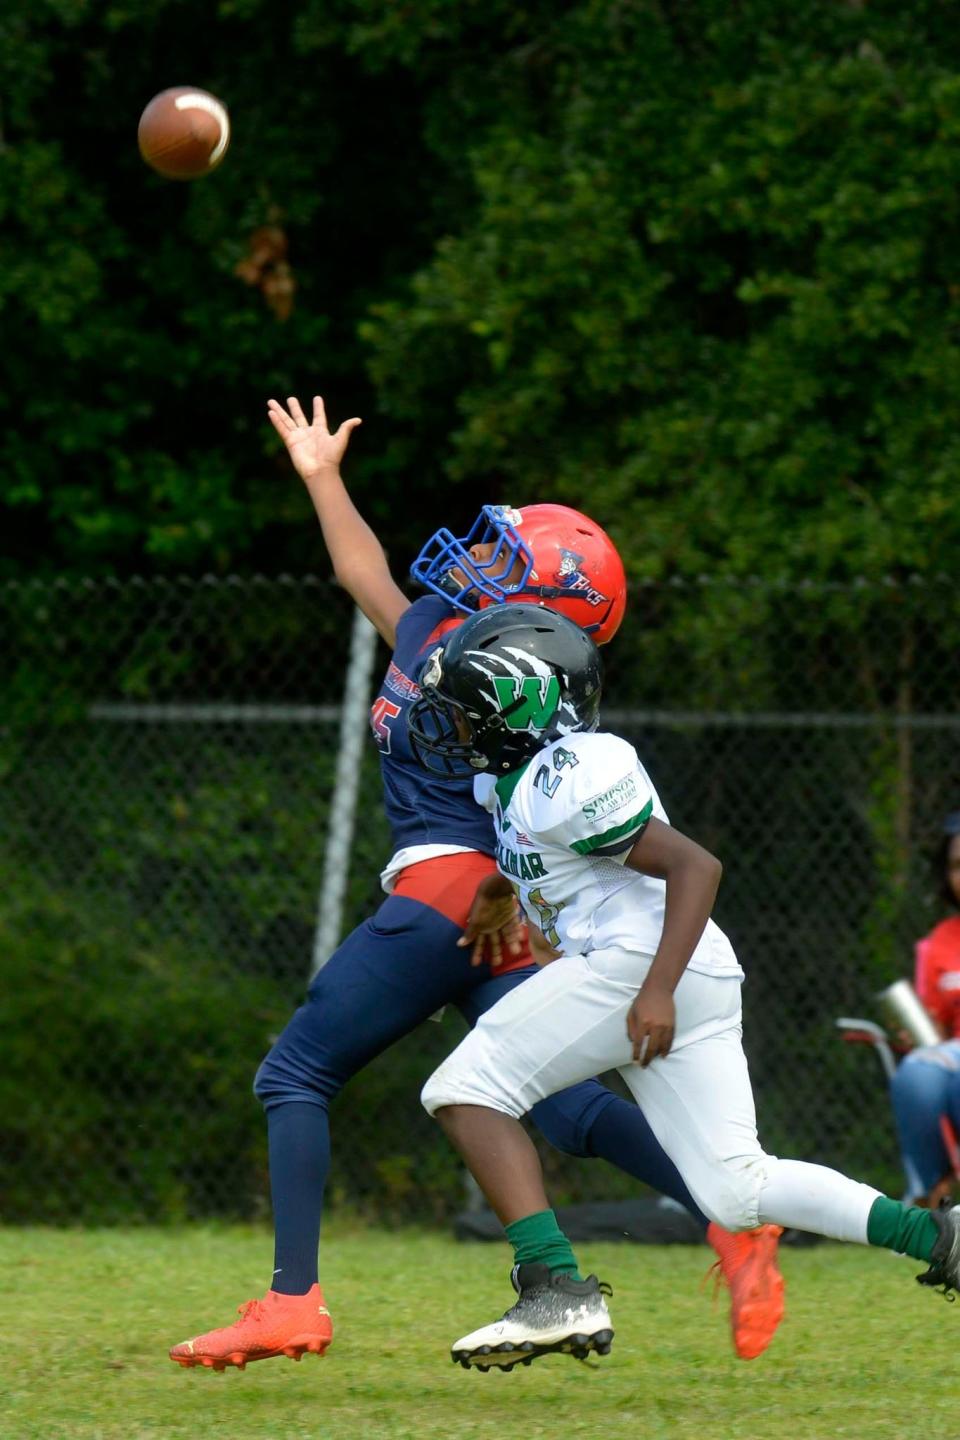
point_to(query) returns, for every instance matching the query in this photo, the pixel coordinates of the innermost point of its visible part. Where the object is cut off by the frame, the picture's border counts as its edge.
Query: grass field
(87, 1318)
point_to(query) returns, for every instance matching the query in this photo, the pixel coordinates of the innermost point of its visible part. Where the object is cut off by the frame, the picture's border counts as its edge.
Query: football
(184, 133)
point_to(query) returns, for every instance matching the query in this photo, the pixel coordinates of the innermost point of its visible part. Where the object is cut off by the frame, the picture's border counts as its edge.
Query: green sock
(904, 1228)
(538, 1239)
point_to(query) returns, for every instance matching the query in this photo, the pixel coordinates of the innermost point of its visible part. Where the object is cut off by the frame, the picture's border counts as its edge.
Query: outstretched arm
(359, 562)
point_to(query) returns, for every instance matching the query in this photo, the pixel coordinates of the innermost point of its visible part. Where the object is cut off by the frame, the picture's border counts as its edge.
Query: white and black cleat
(944, 1269)
(554, 1315)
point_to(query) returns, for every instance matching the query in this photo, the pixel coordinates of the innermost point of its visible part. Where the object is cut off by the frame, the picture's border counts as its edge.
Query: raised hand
(309, 444)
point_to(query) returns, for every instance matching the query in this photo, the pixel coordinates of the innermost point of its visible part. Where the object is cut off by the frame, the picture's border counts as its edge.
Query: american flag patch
(522, 839)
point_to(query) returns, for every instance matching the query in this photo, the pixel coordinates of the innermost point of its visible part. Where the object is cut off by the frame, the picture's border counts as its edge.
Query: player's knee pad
(274, 1085)
(457, 1082)
(277, 1083)
(731, 1216)
(440, 1090)
(731, 1194)
(296, 1070)
(269, 1085)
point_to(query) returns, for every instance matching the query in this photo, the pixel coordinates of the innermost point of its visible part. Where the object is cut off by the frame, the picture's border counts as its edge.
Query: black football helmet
(508, 681)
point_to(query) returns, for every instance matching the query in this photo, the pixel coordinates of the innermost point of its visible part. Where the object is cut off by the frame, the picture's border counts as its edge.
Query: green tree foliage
(690, 266)
(136, 362)
(709, 284)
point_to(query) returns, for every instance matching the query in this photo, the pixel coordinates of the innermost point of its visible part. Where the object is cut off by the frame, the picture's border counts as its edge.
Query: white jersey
(565, 824)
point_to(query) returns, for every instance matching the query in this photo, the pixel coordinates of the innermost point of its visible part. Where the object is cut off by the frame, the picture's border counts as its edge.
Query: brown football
(184, 133)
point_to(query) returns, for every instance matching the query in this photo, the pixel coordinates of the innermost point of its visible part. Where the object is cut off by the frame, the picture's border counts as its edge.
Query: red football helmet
(577, 569)
(548, 554)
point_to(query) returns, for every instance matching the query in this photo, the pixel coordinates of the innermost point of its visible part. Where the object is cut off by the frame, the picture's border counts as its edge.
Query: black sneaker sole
(506, 1356)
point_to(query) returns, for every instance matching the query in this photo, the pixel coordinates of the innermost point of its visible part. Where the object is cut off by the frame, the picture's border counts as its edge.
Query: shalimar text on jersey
(524, 867)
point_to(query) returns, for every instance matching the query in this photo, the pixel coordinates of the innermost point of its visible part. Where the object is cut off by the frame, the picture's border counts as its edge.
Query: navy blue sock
(621, 1135)
(299, 1137)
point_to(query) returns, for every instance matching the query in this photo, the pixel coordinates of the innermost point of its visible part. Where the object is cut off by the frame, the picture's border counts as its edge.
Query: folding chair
(867, 1032)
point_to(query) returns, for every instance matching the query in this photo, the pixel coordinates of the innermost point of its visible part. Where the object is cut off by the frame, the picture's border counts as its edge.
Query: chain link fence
(168, 751)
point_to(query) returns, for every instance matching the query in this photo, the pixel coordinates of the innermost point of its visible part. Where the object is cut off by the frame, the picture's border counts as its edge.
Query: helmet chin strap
(556, 592)
(460, 595)
(552, 592)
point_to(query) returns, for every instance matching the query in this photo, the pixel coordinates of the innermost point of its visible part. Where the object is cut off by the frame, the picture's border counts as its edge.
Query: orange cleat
(748, 1263)
(276, 1325)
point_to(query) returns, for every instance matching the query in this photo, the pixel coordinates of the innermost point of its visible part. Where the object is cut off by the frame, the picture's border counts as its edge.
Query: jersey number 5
(382, 711)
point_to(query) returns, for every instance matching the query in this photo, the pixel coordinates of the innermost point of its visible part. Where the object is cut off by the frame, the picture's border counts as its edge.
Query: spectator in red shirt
(926, 1085)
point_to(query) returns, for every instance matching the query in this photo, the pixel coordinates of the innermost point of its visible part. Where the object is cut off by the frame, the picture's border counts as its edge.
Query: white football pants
(569, 1022)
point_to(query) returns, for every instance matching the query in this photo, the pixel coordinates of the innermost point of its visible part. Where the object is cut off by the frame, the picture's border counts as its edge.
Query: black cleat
(945, 1261)
(554, 1314)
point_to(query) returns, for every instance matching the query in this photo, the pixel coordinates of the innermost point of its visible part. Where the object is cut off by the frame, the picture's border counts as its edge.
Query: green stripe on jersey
(506, 785)
(597, 842)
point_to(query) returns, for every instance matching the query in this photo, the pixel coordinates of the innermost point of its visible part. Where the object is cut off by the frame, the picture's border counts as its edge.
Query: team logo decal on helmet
(528, 696)
(571, 578)
(530, 703)
(569, 565)
(506, 682)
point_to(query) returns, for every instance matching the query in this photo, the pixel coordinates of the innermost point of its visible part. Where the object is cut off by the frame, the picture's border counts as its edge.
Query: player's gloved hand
(651, 1022)
(494, 922)
(309, 444)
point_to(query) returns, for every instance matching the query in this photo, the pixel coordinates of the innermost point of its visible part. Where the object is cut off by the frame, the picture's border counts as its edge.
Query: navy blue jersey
(421, 809)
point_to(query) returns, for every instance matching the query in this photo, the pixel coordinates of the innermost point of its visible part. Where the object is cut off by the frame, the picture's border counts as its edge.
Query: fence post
(343, 807)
